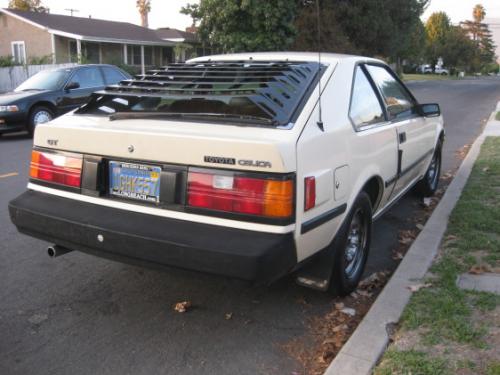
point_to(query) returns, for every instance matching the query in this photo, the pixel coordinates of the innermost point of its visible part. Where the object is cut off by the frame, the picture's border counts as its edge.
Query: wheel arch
(374, 187)
(43, 103)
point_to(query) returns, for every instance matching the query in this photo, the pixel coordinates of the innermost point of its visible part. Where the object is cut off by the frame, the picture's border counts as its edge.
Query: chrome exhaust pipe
(56, 250)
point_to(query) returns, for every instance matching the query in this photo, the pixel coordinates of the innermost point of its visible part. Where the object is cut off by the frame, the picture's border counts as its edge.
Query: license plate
(134, 181)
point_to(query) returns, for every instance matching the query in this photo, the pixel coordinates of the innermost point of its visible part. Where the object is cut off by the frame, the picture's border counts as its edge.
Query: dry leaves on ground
(406, 236)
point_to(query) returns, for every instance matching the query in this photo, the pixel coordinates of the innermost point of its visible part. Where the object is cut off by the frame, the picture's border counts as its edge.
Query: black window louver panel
(276, 87)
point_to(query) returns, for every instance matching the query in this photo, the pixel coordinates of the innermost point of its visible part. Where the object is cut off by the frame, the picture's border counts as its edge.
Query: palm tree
(144, 7)
(479, 13)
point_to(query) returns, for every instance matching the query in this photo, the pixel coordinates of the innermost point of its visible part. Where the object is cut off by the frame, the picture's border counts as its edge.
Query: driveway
(79, 314)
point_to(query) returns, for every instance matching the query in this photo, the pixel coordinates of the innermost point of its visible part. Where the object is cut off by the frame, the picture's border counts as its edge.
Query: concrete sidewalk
(367, 344)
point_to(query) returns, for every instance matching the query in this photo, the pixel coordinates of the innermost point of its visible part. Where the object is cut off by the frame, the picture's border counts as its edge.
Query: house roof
(175, 35)
(91, 29)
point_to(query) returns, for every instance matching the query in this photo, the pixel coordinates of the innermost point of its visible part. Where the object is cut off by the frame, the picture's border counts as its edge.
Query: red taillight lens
(63, 169)
(309, 193)
(245, 195)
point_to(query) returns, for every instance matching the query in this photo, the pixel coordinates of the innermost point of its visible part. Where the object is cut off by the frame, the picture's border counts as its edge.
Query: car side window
(112, 75)
(88, 77)
(399, 103)
(365, 107)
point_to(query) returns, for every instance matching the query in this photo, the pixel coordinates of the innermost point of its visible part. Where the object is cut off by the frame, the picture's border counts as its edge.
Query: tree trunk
(144, 20)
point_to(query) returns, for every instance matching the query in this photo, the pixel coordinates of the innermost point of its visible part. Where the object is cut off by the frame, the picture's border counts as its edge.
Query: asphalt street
(78, 314)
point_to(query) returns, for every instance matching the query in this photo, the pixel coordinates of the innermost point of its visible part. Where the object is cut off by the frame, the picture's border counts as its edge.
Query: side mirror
(429, 110)
(72, 86)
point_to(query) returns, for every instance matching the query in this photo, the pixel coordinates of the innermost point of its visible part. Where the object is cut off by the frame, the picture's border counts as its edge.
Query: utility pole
(71, 10)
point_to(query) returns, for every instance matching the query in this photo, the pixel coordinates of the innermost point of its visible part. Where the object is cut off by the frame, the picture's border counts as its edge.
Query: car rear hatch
(233, 165)
(205, 137)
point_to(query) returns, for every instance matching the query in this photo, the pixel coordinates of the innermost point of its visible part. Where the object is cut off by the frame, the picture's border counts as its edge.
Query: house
(188, 44)
(75, 39)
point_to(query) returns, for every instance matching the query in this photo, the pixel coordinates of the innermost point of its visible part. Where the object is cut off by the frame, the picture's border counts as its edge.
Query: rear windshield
(268, 93)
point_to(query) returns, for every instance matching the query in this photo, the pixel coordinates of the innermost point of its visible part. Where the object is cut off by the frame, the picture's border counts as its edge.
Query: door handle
(402, 137)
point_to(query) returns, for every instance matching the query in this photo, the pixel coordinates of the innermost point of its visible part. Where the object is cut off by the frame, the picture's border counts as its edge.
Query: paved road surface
(81, 315)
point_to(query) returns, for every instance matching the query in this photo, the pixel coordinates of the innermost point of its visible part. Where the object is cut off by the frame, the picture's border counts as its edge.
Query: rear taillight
(249, 195)
(60, 168)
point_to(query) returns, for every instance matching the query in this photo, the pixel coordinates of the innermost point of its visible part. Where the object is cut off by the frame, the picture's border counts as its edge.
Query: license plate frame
(134, 181)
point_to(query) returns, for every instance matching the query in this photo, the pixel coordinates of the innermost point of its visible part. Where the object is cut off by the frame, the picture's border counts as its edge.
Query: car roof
(69, 68)
(328, 58)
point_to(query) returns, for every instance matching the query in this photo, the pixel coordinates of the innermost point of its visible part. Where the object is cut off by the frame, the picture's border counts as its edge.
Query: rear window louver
(276, 87)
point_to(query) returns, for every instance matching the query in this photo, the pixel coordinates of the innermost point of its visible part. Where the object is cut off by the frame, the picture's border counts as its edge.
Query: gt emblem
(131, 148)
(52, 142)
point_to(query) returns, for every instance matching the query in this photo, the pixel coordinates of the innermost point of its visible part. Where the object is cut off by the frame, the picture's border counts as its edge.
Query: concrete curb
(364, 348)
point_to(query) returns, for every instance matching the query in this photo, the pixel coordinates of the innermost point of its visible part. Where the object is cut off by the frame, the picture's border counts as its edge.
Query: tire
(351, 246)
(428, 185)
(39, 115)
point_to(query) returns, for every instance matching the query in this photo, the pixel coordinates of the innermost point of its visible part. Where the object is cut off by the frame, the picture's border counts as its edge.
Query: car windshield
(45, 80)
(266, 92)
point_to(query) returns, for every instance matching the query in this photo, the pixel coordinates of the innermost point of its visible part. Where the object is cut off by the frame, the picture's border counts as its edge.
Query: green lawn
(444, 317)
(497, 117)
(426, 77)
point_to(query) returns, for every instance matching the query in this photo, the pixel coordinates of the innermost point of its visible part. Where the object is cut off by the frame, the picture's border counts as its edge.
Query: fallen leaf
(417, 287)
(420, 226)
(348, 311)
(182, 307)
(479, 269)
(339, 306)
(364, 293)
(486, 169)
(397, 256)
(341, 327)
(228, 316)
(38, 318)
(375, 280)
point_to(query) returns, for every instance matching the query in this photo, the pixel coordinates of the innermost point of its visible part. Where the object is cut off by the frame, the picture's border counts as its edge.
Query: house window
(134, 55)
(19, 52)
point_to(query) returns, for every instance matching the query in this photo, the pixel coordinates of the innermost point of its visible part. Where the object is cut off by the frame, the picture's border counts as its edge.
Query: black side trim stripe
(323, 218)
(409, 168)
(417, 162)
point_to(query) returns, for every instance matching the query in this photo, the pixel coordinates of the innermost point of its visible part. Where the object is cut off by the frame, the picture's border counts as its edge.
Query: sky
(166, 12)
(460, 10)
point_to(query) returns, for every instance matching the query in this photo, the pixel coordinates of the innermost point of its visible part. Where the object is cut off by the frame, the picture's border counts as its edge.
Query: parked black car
(51, 93)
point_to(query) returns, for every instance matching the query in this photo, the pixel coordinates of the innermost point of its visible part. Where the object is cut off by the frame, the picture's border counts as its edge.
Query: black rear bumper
(131, 236)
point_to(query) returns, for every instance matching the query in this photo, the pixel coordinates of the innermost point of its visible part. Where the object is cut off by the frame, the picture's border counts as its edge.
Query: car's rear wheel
(351, 246)
(428, 185)
(39, 115)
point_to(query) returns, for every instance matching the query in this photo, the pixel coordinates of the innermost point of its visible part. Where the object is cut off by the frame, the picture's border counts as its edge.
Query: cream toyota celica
(250, 166)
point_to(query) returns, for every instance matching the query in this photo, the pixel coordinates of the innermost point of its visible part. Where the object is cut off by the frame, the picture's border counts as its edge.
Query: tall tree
(437, 28)
(333, 38)
(28, 5)
(481, 35)
(458, 50)
(245, 25)
(369, 27)
(144, 7)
